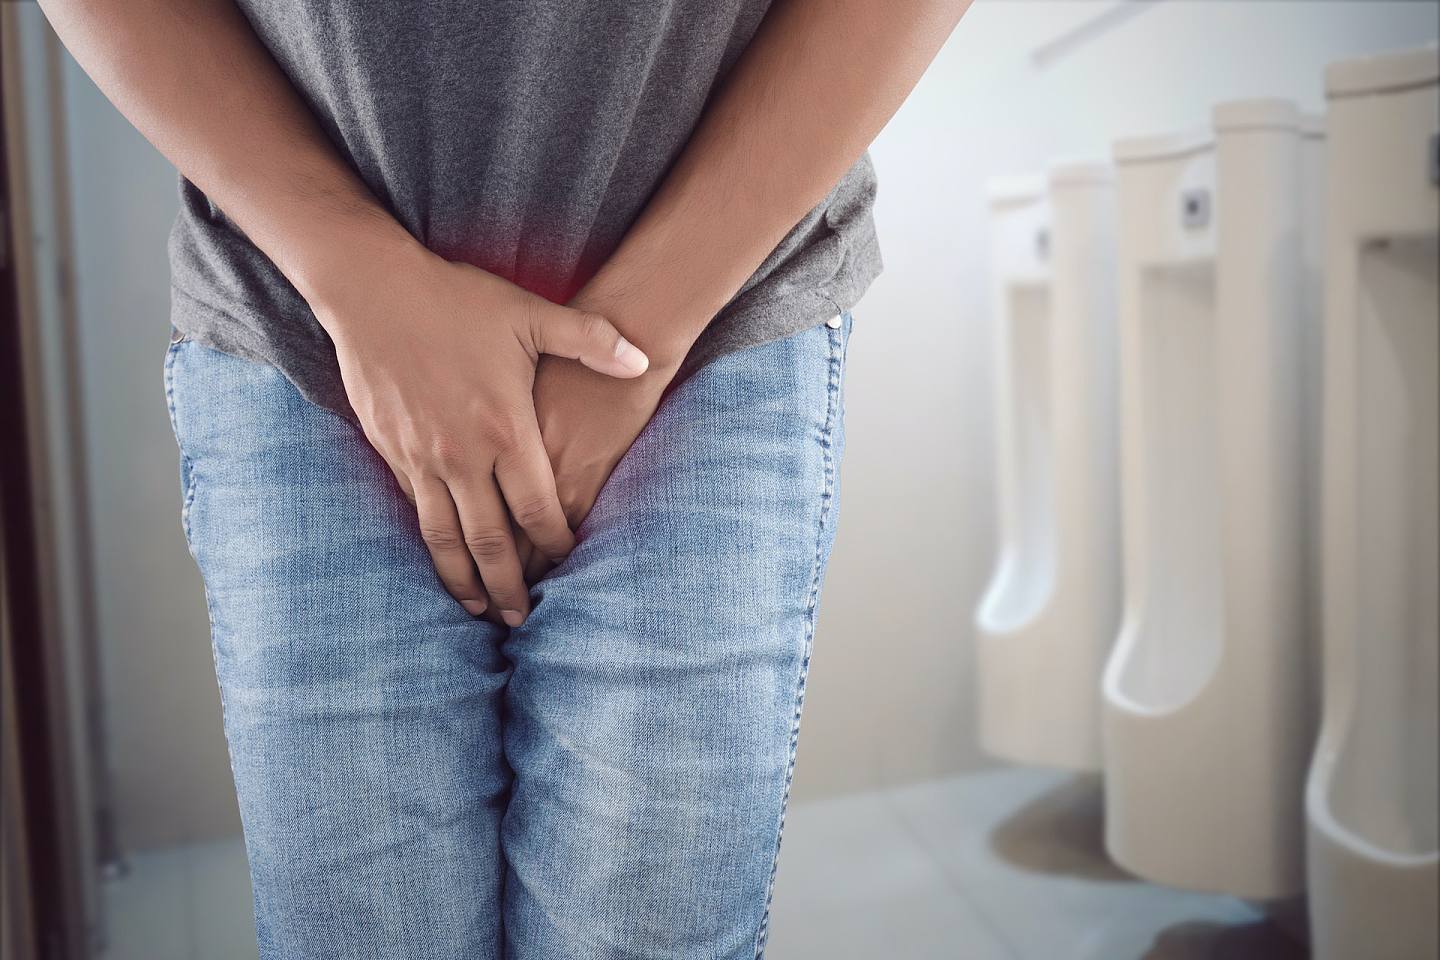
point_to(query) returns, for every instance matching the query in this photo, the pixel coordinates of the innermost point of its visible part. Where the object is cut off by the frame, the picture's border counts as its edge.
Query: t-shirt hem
(785, 312)
(222, 329)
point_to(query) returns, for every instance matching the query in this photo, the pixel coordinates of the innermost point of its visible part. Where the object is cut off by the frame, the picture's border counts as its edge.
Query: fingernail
(512, 617)
(631, 357)
(473, 607)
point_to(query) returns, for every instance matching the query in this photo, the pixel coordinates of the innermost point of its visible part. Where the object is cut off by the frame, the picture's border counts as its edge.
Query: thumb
(588, 337)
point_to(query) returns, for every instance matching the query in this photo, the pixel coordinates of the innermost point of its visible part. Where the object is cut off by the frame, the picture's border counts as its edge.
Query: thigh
(654, 704)
(361, 703)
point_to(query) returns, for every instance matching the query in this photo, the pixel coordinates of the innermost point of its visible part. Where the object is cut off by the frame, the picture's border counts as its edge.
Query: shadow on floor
(1261, 940)
(1060, 832)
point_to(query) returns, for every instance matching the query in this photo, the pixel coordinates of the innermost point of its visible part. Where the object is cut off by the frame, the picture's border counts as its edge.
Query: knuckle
(532, 511)
(594, 328)
(488, 544)
(532, 319)
(504, 438)
(446, 451)
(439, 537)
(501, 433)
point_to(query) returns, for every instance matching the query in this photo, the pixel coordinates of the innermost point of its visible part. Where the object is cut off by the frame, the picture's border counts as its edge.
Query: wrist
(663, 330)
(334, 255)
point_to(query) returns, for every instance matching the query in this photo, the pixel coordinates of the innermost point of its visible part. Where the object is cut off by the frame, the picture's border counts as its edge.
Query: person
(508, 342)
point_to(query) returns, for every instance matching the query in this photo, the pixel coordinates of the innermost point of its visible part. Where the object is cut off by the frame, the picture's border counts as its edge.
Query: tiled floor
(999, 865)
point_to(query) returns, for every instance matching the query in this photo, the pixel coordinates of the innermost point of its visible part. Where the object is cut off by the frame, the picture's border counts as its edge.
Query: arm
(236, 128)
(809, 94)
(814, 87)
(433, 354)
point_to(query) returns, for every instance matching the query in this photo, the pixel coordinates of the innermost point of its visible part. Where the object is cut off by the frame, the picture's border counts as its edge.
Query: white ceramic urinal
(1208, 708)
(1372, 794)
(1049, 617)
(1024, 441)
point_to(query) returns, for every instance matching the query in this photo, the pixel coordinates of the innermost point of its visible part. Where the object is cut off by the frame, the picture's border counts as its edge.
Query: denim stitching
(836, 337)
(189, 500)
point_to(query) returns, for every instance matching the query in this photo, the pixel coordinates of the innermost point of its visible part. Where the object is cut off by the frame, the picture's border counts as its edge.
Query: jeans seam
(185, 462)
(185, 508)
(827, 496)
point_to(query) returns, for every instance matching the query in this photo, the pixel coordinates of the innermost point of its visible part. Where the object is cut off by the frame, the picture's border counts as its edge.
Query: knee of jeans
(667, 776)
(614, 866)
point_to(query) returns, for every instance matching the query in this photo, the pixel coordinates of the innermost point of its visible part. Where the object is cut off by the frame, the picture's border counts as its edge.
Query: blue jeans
(609, 779)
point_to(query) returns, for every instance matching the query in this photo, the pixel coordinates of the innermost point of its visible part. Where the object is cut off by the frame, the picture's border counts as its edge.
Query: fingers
(528, 485)
(486, 534)
(440, 528)
(406, 487)
(536, 567)
(402, 480)
(532, 561)
(466, 523)
(587, 337)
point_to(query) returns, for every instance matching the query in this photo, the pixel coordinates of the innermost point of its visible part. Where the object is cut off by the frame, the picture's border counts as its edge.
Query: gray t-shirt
(522, 136)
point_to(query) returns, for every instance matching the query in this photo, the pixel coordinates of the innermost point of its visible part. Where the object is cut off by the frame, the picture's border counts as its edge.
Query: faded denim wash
(608, 780)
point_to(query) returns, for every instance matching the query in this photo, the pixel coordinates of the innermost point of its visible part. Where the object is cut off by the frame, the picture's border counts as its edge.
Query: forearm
(196, 81)
(814, 87)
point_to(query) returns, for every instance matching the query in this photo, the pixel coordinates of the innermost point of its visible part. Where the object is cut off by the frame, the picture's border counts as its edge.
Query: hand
(438, 361)
(588, 423)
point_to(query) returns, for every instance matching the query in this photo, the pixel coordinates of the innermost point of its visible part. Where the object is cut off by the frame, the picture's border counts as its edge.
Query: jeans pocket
(187, 473)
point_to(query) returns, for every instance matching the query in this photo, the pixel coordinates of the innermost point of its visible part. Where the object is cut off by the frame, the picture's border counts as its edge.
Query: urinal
(1208, 707)
(1025, 570)
(1050, 614)
(1372, 794)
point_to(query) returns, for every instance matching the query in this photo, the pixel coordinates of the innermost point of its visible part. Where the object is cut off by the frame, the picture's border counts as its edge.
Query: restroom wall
(889, 696)
(890, 693)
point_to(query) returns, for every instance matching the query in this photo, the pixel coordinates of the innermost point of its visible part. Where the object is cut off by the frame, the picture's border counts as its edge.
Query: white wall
(890, 689)
(889, 694)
